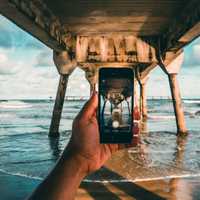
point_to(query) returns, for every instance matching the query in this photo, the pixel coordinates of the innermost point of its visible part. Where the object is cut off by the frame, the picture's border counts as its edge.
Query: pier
(91, 34)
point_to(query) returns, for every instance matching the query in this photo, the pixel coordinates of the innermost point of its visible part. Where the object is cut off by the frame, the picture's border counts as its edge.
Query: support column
(171, 70)
(136, 95)
(65, 65)
(143, 97)
(136, 109)
(143, 101)
(92, 77)
(58, 106)
(177, 103)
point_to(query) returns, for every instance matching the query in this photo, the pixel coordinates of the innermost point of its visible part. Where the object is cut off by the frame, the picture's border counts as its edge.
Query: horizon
(87, 97)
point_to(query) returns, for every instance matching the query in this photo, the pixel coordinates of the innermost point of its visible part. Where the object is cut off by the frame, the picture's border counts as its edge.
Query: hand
(83, 155)
(85, 141)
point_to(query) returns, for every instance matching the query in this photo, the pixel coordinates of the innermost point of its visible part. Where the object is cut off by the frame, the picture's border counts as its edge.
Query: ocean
(27, 151)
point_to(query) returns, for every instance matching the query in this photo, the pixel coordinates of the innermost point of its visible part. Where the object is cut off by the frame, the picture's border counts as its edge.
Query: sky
(27, 70)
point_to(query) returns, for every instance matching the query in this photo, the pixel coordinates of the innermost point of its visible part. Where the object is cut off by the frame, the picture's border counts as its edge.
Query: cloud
(3, 58)
(8, 66)
(11, 36)
(192, 54)
(5, 39)
(196, 53)
(32, 44)
(78, 85)
(44, 59)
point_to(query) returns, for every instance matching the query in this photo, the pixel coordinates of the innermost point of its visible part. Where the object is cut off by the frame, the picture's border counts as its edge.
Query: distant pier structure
(89, 34)
(76, 98)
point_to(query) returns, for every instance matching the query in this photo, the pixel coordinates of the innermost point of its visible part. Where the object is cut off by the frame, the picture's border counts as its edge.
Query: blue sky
(27, 69)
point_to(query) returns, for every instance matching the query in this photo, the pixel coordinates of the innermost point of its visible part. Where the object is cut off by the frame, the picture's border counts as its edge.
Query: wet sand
(172, 189)
(18, 188)
(127, 175)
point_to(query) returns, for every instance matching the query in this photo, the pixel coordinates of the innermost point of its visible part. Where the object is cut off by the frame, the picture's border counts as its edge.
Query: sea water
(26, 150)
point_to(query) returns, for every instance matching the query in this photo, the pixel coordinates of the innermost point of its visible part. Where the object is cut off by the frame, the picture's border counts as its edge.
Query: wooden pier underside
(113, 31)
(94, 33)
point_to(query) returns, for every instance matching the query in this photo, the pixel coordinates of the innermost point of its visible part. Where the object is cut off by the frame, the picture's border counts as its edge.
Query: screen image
(116, 93)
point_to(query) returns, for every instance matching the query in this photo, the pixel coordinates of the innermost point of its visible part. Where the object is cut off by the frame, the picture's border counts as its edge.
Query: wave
(39, 133)
(188, 175)
(142, 179)
(6, 115)
(162, 117)
(191, 101)
(21, 175)
(197, 113)
(15, 105)
(29, 161)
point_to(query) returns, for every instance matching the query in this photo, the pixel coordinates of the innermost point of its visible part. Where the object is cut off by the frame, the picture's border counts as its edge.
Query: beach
(161, 166)
(18, 188)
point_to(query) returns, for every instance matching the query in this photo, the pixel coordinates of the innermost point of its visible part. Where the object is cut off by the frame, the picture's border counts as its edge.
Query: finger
(90, 107)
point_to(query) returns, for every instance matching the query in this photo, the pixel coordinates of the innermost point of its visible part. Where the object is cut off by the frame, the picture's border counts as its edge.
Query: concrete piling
(58, 106)
(171, 70)
(92, 77)
(65, 65)
(177, 103)
(143, 101)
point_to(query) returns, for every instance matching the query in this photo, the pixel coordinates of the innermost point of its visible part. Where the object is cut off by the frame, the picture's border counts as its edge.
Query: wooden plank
(169, 57)
(116, 48)
(113, 7)
(114, 19)
(142, 29)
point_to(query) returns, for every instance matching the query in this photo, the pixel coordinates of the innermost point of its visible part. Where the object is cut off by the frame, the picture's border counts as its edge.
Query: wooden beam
(36, 19)
(184, 29)
(169, 57)
(115, 49)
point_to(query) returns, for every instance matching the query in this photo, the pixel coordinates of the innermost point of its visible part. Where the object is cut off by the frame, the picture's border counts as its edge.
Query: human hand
(83, 155)
(85, 140)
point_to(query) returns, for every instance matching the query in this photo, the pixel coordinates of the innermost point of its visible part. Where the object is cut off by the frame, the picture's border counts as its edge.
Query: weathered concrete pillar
(143, 100)
(65, 66)
(92, 76)
(136, 95)
(172, 70)
(143, 97)
(177, 103)
(58, 106)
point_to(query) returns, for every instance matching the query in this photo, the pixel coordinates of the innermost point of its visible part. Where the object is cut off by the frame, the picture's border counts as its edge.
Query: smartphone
(115, 109)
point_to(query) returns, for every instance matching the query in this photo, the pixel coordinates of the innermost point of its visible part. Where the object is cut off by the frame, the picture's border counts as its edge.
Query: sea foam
(14, 105)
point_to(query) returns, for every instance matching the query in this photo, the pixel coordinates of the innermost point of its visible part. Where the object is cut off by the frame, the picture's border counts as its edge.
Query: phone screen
(115, 105)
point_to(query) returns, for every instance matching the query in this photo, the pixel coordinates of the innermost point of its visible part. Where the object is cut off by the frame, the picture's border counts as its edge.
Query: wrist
(72, 158)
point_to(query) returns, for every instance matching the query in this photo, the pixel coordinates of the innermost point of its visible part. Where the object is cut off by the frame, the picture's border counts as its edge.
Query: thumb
(90, 107)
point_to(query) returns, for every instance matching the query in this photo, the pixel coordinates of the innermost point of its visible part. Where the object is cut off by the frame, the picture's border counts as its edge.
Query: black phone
(115, 110)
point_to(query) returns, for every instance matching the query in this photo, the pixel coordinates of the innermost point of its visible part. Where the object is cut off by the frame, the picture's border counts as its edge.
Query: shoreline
(15, 187)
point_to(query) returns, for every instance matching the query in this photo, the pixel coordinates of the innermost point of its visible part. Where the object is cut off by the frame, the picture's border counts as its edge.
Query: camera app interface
(115, 104)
